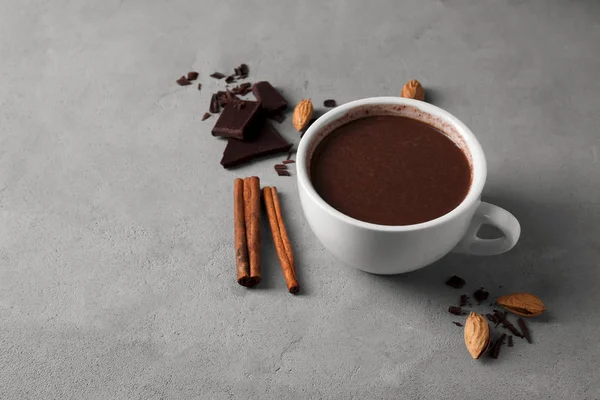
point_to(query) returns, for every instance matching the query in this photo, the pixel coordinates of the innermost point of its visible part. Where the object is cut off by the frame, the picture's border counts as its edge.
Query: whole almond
(302, 114)
(525, 304)
(413, 90)
(477, 335)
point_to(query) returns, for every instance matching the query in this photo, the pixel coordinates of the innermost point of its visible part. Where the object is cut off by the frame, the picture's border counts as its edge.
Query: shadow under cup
(388, 249)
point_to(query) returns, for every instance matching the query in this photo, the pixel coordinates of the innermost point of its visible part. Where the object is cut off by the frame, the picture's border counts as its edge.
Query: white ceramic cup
(383, 249)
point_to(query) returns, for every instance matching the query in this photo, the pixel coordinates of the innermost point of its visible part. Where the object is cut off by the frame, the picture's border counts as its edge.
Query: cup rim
(478, 163)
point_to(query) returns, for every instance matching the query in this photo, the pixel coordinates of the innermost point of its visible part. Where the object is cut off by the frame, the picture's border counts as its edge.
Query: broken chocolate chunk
(236, 119)
(272, 101)
(244, 70)
(455, 310)
(217, 75)
(192, 76)
(230, 79)
(214, 104)
(282, 172)
(524, 329)
(497, 345)
(242, 89)
(268, 141)
(464, 300)
(457, 323)
(330, 103)
(480, 295)
(183, 81)
(288, 161)
(510, 341)
(280, 166)
(456, 282)
(205, 116)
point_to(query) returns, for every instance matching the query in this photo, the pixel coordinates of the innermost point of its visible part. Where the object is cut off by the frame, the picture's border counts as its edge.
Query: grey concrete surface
(116, 259)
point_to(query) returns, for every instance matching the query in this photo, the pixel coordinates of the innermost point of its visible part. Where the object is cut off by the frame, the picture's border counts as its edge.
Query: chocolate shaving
(214, 104)
(510, 341)
(289, 155)
(288, 161)
(205, 116)
(455, 310)
(501, 317)
(230, 79)
(492, 319)
(524, 329)
(481, 295)
(242, 89)
(330, 103)
(456, 282)
(280, 166)
(192, 76)
(457, 323)
(464, 300)
(282, 172)
(183, 81)
(217, 75)
(199, 86)
(497, 345)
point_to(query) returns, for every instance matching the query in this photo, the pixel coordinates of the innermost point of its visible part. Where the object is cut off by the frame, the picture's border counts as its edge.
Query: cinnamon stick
(239, 225)
(281, 239)
(252, 217)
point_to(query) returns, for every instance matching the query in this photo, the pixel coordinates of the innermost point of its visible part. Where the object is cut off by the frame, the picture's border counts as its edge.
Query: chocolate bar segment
(236, 119)
(272, 101)
(267, 141)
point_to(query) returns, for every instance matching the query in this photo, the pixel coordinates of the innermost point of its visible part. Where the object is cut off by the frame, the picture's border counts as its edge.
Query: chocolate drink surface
(390, 170)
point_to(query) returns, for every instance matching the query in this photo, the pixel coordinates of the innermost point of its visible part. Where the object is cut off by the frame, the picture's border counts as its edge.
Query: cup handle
(489, 214)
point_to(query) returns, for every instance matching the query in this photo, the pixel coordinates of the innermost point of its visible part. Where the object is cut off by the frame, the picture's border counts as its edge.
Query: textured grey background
(116, 259)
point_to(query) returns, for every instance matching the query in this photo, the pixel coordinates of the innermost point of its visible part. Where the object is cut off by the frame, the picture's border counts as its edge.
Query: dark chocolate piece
(236, 119)
(288, 161)
(330, 103)
(456, 282)
(183, 81)
(230, 79)
(525, 329)
(280, 166)
(192, 76)
(217, 75)
(497, 345)
(244, 71)
(199, 86)
(457, 323)
(492, 319)
(455, 310)
(267, 141)
(214, 104)
(510, 341)
(242, 89)
(502, 319)
(272, 101)
(282, 172)
(464, 300)
(205, 116)
(480, 295)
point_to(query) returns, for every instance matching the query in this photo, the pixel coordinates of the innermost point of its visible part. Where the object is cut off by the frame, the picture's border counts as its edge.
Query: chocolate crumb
(524, 329)
(230, 79)
(510, 341)
(455, 310)
(457, 323)
(497, 345)
(205, 116)
(464, 300)
(330, 103)
(480, 295)
(199, 86)
(288, 161)
(217, 75)
(192, 76)
(280, 166)
(282, 172)
(456, 282)
(183, 81)
(214, 104)
(244, 70)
